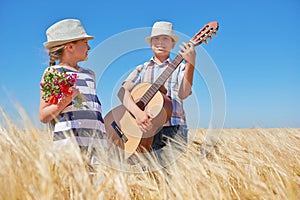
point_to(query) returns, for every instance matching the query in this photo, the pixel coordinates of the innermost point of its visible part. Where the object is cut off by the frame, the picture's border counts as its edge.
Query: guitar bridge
(119, 131)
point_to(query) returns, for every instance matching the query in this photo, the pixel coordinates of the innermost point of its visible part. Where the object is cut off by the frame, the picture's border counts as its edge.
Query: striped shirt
(149, 72)
(86, 122)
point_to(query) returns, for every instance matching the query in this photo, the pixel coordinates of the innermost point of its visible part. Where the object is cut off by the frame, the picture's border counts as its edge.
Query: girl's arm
(48, 111)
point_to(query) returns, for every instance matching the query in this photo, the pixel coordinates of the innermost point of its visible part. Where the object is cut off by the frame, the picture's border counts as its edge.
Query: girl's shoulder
(49, 69)
(53, 68)
(87, 71)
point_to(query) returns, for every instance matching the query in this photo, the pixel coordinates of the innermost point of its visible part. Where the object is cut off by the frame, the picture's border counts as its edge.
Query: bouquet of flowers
(55, 84)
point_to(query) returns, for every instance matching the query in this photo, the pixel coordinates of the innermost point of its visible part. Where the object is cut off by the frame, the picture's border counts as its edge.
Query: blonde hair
(55, 53)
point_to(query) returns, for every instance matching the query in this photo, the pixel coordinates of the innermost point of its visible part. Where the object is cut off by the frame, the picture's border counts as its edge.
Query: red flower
(53, 100)
(65, 89)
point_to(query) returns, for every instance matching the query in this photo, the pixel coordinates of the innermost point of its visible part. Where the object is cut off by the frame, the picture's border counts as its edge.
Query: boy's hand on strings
(143, 120)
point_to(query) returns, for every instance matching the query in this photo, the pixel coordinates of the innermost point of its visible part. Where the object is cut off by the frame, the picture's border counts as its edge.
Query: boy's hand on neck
(188, 53)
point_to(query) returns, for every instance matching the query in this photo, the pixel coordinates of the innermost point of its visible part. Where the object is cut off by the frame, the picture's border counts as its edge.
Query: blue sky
(256, 54)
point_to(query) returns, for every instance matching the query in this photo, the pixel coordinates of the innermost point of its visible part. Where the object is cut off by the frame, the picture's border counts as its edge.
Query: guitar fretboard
(149, 94)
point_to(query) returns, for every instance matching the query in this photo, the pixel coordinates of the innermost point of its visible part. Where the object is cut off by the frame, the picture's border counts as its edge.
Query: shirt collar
(166, 62)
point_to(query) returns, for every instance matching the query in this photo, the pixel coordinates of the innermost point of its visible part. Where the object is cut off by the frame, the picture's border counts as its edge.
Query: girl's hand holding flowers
(59, 86)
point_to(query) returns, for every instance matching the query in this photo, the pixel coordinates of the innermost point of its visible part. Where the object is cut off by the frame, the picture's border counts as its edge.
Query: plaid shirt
(149, 72)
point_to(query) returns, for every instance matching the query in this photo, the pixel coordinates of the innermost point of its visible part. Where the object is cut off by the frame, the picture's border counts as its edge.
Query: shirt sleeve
(181, 70)
(135, 76)
(181, 74)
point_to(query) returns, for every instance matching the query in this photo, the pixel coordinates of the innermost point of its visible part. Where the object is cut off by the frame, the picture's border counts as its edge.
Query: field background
(245, 164)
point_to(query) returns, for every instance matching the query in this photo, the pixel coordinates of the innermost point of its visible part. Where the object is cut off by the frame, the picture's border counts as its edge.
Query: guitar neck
(160, 81)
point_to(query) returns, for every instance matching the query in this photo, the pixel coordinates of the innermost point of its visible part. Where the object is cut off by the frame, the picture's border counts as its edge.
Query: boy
(178, 85)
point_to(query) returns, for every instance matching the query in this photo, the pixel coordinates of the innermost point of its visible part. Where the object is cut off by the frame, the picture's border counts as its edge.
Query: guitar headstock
(206, 32)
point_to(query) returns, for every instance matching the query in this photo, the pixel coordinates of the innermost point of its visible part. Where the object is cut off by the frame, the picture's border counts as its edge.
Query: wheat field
(245, 164)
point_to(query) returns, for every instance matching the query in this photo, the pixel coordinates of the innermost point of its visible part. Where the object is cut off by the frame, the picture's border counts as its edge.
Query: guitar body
(159, 107)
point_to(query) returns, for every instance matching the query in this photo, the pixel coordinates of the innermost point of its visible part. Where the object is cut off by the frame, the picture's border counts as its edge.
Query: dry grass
(246, 164)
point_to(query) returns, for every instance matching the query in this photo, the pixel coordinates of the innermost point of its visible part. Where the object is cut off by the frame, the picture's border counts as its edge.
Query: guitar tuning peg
(205, 41)
(210, 37)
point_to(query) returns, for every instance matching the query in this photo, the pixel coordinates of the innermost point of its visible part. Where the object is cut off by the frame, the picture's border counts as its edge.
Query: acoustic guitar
(121, 127)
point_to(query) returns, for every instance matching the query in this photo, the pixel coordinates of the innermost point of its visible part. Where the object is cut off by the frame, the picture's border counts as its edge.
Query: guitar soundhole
(141, 105)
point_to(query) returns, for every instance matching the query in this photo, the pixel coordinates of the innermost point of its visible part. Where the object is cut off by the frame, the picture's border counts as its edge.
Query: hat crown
(162, 28)
(65, 31)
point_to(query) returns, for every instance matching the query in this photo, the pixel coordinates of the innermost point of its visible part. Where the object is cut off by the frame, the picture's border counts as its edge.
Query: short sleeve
(135, 76)
(181, 73)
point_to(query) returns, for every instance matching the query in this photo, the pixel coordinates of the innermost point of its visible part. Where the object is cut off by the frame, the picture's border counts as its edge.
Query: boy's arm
(126, 99)
(142, 117)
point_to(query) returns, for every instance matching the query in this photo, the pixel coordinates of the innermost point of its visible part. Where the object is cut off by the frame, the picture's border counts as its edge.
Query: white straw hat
(65, 31)
(162, 28)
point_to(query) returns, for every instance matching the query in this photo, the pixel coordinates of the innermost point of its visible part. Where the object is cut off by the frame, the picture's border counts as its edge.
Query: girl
(67, 42)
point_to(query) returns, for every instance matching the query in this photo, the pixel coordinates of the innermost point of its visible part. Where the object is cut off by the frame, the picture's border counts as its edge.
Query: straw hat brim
(51, 44)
